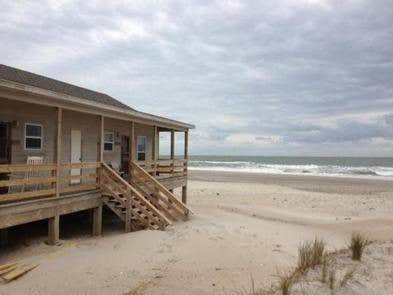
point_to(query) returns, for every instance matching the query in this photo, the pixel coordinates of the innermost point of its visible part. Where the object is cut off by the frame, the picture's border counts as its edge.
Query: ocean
(321, 166)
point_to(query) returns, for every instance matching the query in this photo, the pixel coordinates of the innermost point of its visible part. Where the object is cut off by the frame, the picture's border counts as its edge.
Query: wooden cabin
(65, 149)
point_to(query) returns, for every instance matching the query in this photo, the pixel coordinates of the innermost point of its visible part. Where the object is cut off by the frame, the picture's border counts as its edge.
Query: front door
(125, 153)
(5, 151)
(76, 153)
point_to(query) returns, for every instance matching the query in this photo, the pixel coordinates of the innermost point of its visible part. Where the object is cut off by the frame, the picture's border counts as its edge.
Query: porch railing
(27, 181)
(32, 181)
(165, 168)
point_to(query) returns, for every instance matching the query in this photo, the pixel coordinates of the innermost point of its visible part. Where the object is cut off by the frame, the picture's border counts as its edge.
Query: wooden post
(184, 194)
(184, 188)
(54, 230)
(97, 221)
(173, 151)
(58, 149)
(3, 237)
(102, 139)
(154, 151)
(132, 149)
(128, 211)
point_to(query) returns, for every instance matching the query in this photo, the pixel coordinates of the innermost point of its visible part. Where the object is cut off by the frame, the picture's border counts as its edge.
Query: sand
(245, 226)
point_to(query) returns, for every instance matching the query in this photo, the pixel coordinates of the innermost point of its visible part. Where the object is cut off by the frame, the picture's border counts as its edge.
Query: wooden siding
(21, 113)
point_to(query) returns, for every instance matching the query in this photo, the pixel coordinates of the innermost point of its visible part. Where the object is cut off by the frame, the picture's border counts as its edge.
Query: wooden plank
(10, 168)
(83, 165)
(26, 195)
(81, 177)
(8, 265)
(8, 269)
(24, 181)
(18, 272)
(78, 188)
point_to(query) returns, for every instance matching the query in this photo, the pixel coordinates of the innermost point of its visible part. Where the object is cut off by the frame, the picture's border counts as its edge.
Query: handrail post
(172, 152)
(128, 211)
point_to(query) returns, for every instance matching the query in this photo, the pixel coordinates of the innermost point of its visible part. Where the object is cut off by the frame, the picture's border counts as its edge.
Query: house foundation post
(97, 221)
(54, 230)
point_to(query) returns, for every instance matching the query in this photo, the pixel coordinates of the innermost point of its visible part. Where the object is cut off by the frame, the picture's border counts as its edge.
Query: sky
(291, 77)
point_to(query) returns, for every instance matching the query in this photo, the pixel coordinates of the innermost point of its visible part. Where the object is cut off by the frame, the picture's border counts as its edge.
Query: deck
(47, 191)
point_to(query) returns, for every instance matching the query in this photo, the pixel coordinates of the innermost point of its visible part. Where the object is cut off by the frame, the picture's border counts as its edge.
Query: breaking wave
(307, 169)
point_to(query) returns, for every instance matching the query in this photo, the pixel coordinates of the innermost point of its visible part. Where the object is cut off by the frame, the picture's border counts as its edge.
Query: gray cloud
(315, 74)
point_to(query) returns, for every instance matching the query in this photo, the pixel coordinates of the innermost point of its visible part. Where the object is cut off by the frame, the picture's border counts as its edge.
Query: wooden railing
(139, 176)
(165, 168)
(26, 181)
(130, 199)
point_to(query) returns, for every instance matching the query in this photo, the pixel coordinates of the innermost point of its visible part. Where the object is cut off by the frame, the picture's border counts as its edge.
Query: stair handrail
(163, 189)
(134, 191)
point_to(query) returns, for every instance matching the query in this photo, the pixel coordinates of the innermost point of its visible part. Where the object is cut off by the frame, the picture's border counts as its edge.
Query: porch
(66, 180)
(140, 201)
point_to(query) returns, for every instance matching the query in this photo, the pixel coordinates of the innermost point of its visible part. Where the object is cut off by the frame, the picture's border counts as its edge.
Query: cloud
(309, 77)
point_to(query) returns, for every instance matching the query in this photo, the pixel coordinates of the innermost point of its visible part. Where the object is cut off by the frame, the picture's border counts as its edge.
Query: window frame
(35, 137)
(137, 146)
(111, 142)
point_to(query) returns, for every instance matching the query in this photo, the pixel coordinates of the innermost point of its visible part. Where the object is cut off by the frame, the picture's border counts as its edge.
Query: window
(109, 141)
(141, 148)
(33, 136)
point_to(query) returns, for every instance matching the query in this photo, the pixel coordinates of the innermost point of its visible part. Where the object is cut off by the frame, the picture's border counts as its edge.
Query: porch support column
(173, 151)
(132, 149)
(54, 230)
(154, 150)
(97, 221)
(102, 139)
(58, 149)
(3, 237)
(184, 188)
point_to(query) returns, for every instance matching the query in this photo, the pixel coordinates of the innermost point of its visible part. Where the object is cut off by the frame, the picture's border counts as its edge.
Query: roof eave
(77, 100)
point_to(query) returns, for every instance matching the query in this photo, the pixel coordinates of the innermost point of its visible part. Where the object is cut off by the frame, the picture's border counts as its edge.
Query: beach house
(65, 149)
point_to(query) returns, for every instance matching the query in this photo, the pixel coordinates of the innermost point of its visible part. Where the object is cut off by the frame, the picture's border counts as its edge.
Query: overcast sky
(300, 77)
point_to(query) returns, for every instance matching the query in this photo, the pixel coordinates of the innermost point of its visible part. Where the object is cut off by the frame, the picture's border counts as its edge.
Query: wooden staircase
(142, 203)
(165, 201)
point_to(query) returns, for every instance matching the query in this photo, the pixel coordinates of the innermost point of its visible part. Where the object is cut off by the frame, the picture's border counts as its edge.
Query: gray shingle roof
(24, 77)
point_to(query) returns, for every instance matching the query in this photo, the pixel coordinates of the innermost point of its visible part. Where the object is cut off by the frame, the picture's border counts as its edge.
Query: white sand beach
(245, 226)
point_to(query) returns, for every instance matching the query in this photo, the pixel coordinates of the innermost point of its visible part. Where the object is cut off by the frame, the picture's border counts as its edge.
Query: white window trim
(111, 142)
(40, 137)
(141, 152)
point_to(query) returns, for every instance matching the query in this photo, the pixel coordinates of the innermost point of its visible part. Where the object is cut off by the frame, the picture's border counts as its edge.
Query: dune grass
(311, 254)
(357, 245)
(347, 277)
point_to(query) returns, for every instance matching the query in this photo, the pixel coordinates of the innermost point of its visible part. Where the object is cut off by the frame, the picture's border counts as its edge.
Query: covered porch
(79, 154)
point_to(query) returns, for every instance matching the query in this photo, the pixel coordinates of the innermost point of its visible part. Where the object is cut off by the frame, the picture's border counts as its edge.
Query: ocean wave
(321, 170)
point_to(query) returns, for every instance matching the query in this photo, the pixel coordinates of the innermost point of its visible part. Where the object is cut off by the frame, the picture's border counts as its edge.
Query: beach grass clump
(357, 245)
(332, 279)
(311, 254)
(286, 281)
(347, 277)
(324, 270)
